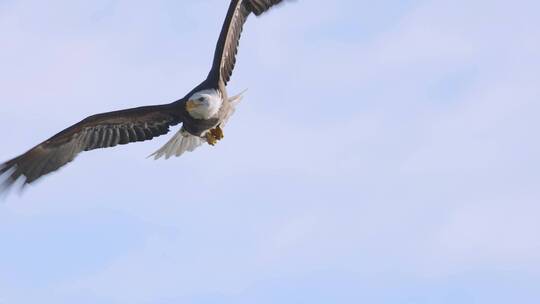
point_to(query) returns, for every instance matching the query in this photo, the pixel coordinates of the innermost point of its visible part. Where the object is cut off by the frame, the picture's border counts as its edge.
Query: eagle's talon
(211, 139)
(217, 132)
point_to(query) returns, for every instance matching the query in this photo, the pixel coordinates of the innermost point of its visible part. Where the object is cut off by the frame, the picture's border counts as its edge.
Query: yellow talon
(214, 135)
(217, 132)
(211, 139)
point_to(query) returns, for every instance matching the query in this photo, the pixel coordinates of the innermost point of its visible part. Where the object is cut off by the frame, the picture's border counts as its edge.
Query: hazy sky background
(386, 152)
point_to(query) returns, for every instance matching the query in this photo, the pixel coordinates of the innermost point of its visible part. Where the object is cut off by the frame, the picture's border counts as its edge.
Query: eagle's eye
(201, 99)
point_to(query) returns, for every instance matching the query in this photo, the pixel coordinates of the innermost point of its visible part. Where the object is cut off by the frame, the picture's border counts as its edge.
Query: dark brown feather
(229, 39)
(97, 131)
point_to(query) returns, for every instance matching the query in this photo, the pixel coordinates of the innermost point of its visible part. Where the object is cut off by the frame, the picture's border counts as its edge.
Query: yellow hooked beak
(190, 105)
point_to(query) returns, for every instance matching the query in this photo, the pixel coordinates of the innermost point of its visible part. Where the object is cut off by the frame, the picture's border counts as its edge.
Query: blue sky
(384, 153)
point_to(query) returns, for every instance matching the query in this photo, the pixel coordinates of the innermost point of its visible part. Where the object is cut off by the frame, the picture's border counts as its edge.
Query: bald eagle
(203, 113)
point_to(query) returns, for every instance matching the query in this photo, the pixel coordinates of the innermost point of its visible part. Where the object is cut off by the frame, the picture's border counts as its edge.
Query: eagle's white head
(204, 104)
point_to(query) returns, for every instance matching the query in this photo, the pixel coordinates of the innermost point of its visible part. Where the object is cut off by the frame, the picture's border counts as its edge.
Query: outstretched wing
(98, 131)
(227, 46)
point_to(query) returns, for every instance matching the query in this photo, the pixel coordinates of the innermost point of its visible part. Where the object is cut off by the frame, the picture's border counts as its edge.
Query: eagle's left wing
(227, 46)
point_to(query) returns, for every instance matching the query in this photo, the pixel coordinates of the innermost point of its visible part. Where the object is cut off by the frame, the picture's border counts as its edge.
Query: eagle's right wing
(97, 131)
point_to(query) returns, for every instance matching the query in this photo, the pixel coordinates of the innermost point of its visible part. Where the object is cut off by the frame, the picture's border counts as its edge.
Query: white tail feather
(181, 142)
(237, 98)
(234, 101)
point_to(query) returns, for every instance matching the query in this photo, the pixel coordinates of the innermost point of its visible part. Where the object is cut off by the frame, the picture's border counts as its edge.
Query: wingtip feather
(9, 176)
